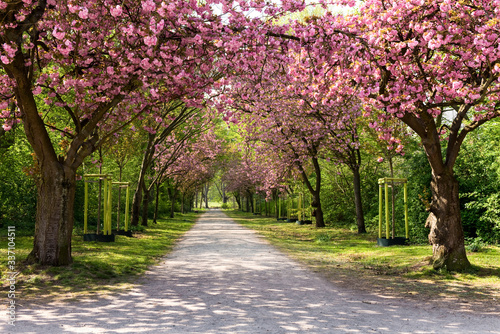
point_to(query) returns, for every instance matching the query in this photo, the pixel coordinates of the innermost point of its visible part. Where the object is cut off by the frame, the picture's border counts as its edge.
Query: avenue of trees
(328, 99)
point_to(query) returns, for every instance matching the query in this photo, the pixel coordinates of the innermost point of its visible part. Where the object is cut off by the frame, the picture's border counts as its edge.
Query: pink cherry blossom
(116, 11)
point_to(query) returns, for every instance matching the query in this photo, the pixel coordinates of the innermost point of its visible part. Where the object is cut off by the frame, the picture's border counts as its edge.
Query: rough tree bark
(54, 223)
(446, 233)
(445, 222)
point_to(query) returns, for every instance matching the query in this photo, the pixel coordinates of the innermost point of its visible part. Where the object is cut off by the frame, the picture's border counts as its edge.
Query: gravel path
(222, 278)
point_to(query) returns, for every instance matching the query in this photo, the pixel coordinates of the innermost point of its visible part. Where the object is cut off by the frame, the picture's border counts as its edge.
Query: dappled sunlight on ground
(222, 278)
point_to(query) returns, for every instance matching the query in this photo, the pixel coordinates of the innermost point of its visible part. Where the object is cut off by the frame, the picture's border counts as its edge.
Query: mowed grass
(355, 261)
(97, 267)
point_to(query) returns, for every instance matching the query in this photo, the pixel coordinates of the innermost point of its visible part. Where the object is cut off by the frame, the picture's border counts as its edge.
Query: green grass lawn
(356, 261)
(97, 267)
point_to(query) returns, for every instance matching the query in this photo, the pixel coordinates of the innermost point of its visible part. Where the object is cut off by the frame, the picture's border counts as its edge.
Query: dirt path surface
(222, 278)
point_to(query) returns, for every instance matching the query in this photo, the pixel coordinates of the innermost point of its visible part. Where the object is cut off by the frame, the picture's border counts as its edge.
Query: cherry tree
(159, 129)
(297, 142)
(188, 163)
(278, 100)
(99, 65)
(416, 59)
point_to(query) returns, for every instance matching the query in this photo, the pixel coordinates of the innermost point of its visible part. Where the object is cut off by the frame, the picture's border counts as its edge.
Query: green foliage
(416, 168)
(477, 170)
(337, 195)
(17, 188)
(475, 244)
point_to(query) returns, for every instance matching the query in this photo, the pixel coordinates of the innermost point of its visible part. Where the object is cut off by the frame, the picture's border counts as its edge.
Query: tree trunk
(172, 195)
(360, 218)
(54, 216)
(57, 184)
(238, 201)
(145, 207)
(250, 207)
(276, 205)
(182, 203)
(141, 183)
(99, 197)
(119, 199)
(320, 221)
(393, 198)
(136, 205)
(157, 201)
(99, 204)
(224, 197)
(446, 234)
(316, 204)
(207, 188)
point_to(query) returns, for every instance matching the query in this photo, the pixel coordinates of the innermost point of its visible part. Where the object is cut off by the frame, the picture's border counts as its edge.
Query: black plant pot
(90, 237)
(106, 237)
(125, 233)
(384, 242)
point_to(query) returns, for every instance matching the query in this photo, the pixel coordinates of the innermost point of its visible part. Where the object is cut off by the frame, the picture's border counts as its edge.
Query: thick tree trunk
(54, 216)
(446, 234)
(360, 218)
